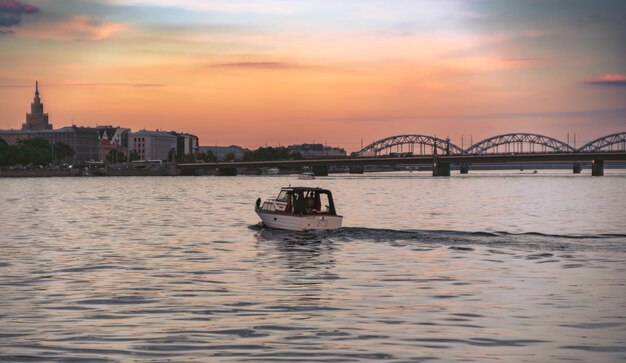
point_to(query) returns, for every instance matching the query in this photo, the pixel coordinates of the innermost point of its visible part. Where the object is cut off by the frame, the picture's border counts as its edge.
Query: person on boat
(310, 204)
(299, 205)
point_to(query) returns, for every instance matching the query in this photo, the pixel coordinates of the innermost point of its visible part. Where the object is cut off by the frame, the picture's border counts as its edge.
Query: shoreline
(15, 174)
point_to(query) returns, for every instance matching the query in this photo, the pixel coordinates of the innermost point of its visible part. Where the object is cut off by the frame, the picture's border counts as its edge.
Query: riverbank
(170, 169)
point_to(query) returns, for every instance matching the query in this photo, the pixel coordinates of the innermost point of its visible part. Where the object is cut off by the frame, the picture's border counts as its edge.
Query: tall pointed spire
(36, 119)
(36, 99)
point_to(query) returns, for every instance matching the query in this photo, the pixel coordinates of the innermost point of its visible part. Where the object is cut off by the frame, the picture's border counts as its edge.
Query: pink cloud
(11, 12)
(76, 28)
(608, 80)
(17, 7)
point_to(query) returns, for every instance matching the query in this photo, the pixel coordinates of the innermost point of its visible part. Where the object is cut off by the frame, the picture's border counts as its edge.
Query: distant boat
(270, 171)
(300, 209)
(306, 176)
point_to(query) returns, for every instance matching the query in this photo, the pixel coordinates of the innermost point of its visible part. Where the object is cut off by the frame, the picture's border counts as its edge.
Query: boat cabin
(301, 201)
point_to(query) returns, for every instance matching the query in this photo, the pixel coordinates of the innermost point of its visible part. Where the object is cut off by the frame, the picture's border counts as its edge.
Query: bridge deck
(427, 160)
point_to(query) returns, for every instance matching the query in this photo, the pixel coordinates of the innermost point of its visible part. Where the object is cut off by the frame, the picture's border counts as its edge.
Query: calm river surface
(484, 267)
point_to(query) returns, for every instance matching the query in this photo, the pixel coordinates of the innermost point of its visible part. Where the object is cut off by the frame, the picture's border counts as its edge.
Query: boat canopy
(305, 200)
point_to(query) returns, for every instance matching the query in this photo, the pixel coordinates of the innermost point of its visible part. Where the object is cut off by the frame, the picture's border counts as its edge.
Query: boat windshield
(324, 203)
(283, 196)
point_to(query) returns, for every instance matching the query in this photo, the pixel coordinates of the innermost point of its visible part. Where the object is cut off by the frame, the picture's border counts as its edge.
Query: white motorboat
(306, 176)
(300, 209)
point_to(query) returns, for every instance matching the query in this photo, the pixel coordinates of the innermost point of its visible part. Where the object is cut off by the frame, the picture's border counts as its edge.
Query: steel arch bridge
(606, 142)
(514, 143)
(436, 144)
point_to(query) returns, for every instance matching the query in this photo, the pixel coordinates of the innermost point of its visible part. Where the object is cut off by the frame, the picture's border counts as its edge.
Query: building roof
(60, 130)
(152, 133)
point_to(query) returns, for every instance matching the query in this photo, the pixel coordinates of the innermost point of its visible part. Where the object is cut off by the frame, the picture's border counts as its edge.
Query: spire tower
(36, 119)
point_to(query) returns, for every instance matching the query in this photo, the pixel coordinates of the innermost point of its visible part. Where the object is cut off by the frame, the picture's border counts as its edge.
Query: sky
(340, 72)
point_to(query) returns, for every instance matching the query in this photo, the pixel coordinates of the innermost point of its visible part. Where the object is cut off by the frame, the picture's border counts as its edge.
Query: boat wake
(538, 240)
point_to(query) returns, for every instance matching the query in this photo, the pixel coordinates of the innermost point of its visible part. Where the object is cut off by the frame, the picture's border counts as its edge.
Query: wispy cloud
(521, 59)
(11, 12)
(608, 80)
(77, 28)
(232, 6)
(268, 65)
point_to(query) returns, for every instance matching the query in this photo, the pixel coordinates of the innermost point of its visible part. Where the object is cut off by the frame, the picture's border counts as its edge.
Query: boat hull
(300, 223)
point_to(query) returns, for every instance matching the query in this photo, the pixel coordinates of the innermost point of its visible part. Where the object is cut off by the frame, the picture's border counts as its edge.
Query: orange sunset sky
(256, 72)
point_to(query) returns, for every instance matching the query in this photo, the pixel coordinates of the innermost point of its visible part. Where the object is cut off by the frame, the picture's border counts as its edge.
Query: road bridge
(321, 165)
(441, 153)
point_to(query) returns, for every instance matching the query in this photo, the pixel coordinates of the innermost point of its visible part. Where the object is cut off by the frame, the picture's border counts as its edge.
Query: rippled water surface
(484, 267)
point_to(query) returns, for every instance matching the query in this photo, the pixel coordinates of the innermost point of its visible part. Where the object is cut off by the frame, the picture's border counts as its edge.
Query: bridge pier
(597, 168)
(226, 172)
(577, 168)
(441, 168)
(320, 170)
(464, 168)
(357, 169)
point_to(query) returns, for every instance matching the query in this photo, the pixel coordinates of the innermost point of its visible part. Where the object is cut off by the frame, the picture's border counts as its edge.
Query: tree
(115, 156)
(35, 142)
(5, 151)
(181, 157)
(171, 155)
(230, 157)
(133, 155)
(34, 150)
(62, 151)
(207, 156)
(270, 154)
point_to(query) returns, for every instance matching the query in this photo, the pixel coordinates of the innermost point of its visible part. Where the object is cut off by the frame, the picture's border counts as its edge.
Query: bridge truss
(519, 143)
(613, 142)
(501, 144)
(413, 144)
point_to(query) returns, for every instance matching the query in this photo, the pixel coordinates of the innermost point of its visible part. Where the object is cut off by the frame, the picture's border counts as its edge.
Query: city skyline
(271, 72)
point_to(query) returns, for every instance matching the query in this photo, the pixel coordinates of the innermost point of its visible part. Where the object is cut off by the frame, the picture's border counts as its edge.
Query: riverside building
(187, 145)
(153, 145)
(112, 138)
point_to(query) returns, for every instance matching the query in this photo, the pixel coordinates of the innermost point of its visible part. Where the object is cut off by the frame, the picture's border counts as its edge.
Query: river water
(491, 266)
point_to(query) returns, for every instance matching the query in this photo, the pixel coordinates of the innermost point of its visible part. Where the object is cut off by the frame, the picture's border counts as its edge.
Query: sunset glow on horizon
(257, 72)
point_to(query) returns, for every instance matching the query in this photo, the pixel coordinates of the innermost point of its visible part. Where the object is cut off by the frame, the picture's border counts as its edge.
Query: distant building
(186, 144)
(316, 150)
(83, 140)
(112, 138)
(36, 119)
(153, 145)
(221, 152)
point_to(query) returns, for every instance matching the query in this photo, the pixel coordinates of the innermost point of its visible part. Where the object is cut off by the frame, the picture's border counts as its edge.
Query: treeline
(34, 150)
(207, 157)
(270, 154)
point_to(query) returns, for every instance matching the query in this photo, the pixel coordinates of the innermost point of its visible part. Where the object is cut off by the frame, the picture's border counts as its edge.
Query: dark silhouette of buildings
(95, 143)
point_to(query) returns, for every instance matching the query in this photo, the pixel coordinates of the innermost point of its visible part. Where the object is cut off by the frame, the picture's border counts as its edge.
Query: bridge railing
(611, 141)
(505, 144)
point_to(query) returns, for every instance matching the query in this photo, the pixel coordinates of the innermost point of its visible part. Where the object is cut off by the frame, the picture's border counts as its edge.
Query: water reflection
(302, 266)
